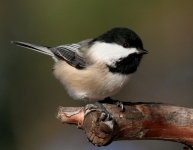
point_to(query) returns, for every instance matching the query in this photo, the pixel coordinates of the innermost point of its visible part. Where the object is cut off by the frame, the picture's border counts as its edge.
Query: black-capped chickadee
(97, 68)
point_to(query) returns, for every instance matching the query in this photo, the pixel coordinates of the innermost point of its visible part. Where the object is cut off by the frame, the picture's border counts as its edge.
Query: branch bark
(139, 121)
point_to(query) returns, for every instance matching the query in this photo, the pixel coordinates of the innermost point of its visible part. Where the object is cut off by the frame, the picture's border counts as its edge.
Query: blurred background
(30, 95)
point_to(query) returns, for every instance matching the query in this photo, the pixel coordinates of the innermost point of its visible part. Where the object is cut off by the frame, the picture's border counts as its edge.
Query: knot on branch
(98, 127)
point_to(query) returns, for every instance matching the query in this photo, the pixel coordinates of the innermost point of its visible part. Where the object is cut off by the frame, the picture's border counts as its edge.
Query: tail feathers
(41, 49)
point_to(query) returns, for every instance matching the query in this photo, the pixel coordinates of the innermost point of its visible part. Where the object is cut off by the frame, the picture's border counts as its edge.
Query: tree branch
(139, 121)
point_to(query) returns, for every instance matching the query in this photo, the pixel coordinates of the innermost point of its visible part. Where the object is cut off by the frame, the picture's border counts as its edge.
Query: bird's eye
(125, 45)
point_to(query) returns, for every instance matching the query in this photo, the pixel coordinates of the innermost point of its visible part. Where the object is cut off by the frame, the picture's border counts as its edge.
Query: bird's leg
(111, 101)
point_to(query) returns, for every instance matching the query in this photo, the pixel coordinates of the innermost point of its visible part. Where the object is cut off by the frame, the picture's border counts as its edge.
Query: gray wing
(70, 53)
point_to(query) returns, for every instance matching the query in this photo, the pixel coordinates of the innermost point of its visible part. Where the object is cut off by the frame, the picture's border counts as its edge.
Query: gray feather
(41, 49)
(71, 53)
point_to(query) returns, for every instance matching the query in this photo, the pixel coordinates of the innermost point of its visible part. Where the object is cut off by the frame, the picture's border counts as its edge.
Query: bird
(96, 68)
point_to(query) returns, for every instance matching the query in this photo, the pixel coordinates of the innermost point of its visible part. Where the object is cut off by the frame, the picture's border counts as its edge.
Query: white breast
(113, 84)
(94, 83)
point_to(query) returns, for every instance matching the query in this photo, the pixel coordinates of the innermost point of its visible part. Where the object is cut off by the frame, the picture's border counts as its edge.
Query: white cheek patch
(109, 52)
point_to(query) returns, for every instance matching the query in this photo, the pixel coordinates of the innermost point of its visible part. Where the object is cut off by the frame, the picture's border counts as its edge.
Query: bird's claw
(120, 104)
(111, 101)
(105, 115)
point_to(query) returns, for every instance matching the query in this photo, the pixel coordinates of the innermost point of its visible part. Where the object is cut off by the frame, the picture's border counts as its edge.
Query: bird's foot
(120, 104)
(105, 115)
(111, 101)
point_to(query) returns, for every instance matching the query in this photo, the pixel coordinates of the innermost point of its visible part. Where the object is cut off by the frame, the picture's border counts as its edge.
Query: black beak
(142, 51)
